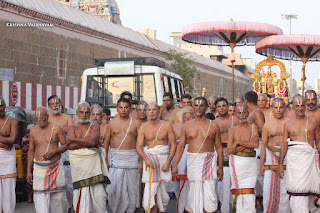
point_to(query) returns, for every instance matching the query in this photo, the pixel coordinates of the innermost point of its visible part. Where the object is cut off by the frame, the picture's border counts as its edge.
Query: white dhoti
(259, 183)
(302, 175)
(243, 172)
(275, 196)
(124, 177)
(202, 176)
(223, 187)
(159, 180)
(89, 174)
(181, 183)
(8, 173)
(49, 187)
(67, 171)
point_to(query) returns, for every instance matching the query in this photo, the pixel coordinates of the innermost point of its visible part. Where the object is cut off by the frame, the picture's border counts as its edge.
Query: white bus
(146, 78)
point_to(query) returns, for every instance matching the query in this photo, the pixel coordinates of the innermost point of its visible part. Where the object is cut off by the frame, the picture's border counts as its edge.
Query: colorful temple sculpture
(105, 9)
(268, 82)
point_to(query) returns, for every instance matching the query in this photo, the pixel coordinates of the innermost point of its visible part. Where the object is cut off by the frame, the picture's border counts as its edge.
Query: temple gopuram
(268, 82)
(105, 9)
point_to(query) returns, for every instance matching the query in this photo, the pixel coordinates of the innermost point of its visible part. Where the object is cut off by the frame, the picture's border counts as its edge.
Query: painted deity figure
(269, 81)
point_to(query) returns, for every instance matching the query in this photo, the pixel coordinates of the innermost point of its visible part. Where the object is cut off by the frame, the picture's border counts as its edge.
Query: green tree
(182, 65)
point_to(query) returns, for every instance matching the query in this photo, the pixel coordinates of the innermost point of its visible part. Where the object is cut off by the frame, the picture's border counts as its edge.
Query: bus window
(174, 91)
(181, 87)
(148, 92)
(178, 95)
(115, 85)
(95, 89)
(169, 83)
(165, 84)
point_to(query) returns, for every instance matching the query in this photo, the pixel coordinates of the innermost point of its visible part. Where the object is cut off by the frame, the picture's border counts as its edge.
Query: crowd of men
(216, 156)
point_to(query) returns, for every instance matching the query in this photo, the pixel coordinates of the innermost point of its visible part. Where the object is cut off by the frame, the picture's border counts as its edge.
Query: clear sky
(168, 16)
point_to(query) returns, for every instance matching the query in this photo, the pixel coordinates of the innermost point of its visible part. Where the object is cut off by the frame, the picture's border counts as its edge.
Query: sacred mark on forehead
(95, 110)
(198, 102)
(310, 95)
(38, 113)
(220, 103)
(278, 104)
(241, 108)
(298, 101)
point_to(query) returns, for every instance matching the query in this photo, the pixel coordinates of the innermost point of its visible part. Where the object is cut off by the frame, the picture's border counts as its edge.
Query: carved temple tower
(105, 9)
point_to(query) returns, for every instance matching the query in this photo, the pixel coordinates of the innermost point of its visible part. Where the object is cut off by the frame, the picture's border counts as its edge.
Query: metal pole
(232, 81)
(232, 45)
(291, 89)
(290, 17)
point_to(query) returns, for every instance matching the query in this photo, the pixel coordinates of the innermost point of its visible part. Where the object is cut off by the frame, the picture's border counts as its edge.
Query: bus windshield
(106, 90)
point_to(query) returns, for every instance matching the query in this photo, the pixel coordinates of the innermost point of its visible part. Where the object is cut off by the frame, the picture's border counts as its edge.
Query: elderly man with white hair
(89, 193)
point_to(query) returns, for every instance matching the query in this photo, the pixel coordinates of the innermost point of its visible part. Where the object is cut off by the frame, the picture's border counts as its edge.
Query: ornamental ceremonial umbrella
(291, 47)
(224, 33)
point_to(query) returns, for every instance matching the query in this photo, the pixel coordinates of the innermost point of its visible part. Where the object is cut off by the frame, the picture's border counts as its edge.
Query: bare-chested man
(121, 136)
(156, 146)
(262, 104)
(203, 136)
(88, 166)
(312, 105)
(96, 117)
(64, 121)
(142, 112)
(225, 122)
(8, 171)
(186, 100)
(128, 96)
(275, 197)
(242, 140)
(211, 112)
(232, 109)
(55, 115)
(181, 185)
(256, 117)
(106, 114)
(45, 154)
(168, 112)
(302, 169)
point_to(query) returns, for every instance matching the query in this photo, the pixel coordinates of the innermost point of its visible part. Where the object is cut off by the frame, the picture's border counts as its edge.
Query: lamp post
(290, 17)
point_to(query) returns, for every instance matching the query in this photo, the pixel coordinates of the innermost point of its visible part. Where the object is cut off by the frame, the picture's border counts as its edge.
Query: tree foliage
(182, 65)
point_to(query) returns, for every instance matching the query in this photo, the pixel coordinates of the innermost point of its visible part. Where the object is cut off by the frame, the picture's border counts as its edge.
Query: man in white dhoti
(203, 136)
(181, 183)
(256, 117)
(275, 197)
(8, 171)
(120, 143)
(48, 174)
(225, 122)
(302, 171)
(88, 166)
(64, 121)
(156, 146)
(242, 140)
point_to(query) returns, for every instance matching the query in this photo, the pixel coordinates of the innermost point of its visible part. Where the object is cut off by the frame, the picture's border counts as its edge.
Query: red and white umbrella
(291, 47)
(228, 33)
